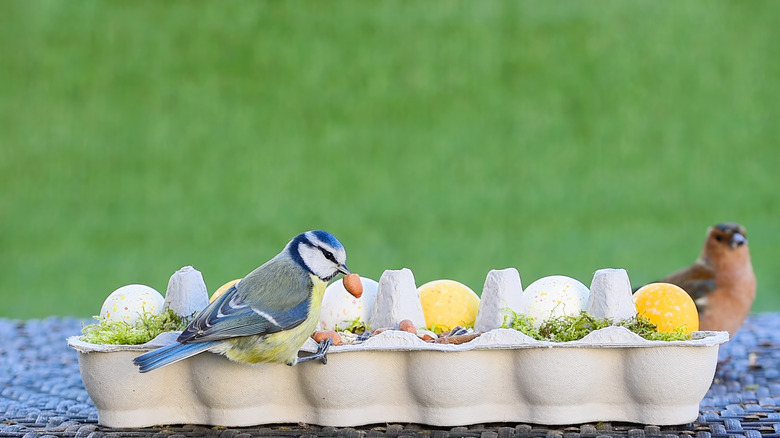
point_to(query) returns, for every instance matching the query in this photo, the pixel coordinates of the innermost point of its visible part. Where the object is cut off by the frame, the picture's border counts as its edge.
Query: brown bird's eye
(719, 238)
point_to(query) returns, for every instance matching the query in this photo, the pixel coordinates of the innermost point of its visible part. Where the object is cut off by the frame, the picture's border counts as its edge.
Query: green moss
(523, 324)
(356, 326)
(646, 329)
(572, 328)
(144, 330)
(438, 329)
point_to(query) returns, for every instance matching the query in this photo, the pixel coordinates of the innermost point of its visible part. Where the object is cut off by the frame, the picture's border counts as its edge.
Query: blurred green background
(447, 137)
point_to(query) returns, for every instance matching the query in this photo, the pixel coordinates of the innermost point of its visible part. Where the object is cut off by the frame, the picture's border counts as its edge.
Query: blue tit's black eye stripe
(328, 255)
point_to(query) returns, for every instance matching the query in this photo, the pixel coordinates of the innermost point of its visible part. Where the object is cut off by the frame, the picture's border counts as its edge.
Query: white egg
(129, 302)
(555, 296)
(340, 309)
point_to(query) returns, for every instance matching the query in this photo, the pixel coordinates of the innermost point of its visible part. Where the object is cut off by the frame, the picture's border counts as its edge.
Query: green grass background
(447, 137)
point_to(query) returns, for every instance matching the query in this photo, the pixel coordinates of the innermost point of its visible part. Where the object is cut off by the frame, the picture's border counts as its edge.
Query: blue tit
(269, 314)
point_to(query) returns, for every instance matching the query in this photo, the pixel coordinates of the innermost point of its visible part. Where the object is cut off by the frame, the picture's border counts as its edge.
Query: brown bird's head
(728, 233)
(725, 238)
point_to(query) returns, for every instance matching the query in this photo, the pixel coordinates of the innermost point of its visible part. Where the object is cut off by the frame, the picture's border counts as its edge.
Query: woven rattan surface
(41, 394)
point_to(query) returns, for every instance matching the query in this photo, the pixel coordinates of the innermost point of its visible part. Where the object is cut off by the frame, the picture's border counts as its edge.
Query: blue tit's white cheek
(315, 261)
(555, 296)
(129, 303)
(340, 309)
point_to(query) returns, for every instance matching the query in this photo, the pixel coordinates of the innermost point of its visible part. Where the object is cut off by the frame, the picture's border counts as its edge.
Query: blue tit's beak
(343, 269)
(736, 240)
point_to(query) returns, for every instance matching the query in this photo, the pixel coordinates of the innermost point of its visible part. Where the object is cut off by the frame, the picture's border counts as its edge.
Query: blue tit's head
(320, 253)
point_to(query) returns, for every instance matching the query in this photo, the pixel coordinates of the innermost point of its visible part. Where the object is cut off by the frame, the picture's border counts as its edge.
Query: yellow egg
(224, 288)
(667, 306)
(447, 304)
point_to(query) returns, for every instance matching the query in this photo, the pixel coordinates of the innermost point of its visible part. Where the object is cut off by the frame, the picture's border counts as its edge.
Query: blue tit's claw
(321, 354)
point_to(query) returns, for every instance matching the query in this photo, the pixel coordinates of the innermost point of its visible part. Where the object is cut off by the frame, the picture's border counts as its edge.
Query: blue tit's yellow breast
(282, 346)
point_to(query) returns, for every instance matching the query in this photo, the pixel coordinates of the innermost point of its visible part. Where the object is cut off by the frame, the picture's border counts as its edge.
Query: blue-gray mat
(41, 395)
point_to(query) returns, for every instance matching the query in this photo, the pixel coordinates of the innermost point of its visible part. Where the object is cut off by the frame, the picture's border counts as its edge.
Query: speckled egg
(448, 304)
(667, 306)
(340, 309)
(555, 296)
(129, 302)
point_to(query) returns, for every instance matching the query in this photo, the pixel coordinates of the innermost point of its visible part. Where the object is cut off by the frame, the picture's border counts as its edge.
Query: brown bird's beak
(736, 240)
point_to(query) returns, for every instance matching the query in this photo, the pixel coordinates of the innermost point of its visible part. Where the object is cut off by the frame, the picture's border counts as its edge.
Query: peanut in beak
(353, 285)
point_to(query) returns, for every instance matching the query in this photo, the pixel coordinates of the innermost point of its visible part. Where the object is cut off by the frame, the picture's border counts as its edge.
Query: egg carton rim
(497, 339)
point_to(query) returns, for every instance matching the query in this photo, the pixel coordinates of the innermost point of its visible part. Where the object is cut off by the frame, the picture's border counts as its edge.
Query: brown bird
(721, 282)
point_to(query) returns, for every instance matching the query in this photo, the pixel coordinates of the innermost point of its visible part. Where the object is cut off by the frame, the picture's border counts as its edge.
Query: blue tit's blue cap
(327, 238)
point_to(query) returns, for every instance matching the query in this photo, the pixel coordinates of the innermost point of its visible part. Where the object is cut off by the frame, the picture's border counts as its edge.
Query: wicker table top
(41, 394)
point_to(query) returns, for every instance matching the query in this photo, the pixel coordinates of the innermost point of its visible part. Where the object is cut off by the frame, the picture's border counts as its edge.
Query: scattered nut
(428, 338)
(353, 285)
(407, 326)
(458, 339)
(321, 335)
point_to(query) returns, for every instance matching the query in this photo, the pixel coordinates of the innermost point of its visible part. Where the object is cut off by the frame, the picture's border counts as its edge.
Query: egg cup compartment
(612, 374)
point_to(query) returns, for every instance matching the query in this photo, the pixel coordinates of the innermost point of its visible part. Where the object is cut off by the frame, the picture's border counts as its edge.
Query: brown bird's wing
(698, 280)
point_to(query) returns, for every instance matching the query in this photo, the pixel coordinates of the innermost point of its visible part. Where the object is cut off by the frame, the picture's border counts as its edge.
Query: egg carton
(503, 375)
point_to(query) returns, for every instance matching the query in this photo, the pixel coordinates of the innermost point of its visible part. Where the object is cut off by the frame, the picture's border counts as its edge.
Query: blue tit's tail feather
(169, 354)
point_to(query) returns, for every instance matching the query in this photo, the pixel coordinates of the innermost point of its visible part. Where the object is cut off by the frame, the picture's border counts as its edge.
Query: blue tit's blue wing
(272, 298)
